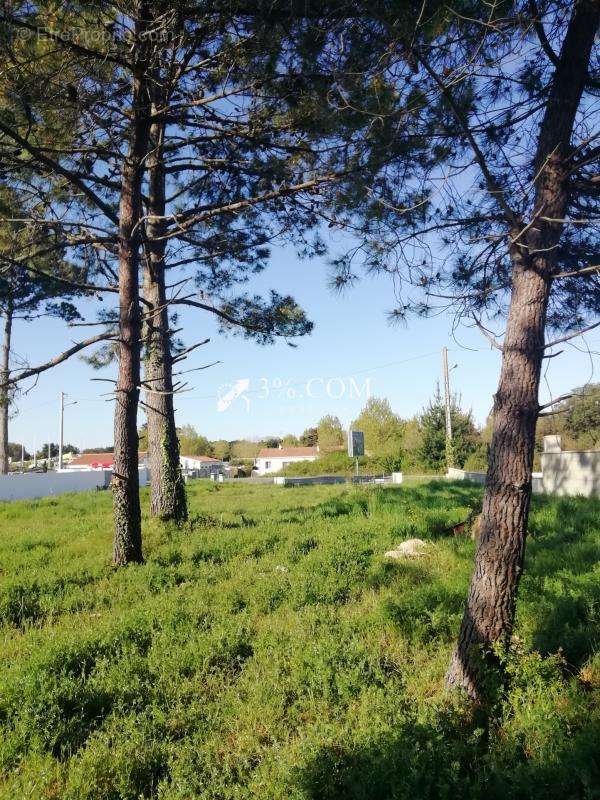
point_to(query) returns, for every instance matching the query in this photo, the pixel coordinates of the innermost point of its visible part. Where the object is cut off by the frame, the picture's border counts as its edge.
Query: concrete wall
(48, 484)
(454, 474)
(479, 477)
(309, 480)
(253, 479)
(537, 483)
(571, 472)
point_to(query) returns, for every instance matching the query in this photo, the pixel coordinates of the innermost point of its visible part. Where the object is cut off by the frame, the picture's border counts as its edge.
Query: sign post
(356, 445)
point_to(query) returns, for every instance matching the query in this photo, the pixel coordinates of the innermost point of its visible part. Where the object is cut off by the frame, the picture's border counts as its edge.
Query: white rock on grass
(411, 548)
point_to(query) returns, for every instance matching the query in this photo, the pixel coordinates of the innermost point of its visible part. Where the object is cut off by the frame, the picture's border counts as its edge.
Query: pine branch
(573, 335)
(27, 373)
(58, 168)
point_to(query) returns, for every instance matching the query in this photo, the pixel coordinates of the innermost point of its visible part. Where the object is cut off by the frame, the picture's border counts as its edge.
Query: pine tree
(132, 119)
(29, 289)
(484, 129)
(432, 427)
(310, 437)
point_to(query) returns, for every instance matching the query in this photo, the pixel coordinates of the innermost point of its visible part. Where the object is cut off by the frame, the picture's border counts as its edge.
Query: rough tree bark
(127, 546)
(490, 609)
(4, 388)
(168, 500)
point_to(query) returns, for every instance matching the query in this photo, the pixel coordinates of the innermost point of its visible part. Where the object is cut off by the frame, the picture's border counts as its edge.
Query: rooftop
(96, 459)
(287, 452)
(203, 459)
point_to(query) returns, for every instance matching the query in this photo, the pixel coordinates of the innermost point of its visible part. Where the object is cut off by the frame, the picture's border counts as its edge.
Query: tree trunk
(168, 500)
(5, 389)
(127, 545)
(490, 609)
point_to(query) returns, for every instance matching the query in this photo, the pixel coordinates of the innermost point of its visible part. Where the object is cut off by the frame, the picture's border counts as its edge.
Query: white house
(204, 465)
(98, 461)
(196, 466)
(274, 459)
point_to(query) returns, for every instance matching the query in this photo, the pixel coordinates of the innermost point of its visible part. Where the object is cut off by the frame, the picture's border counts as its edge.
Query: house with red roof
(91, 461)
(273, 459)
(198, 466)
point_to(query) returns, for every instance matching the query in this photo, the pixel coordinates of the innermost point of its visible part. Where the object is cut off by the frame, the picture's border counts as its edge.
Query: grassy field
(269, 651)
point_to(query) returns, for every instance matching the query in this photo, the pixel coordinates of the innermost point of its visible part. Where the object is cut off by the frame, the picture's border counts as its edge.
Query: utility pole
(62, 425)
(22, 458)
(34, 452)
(449, 454)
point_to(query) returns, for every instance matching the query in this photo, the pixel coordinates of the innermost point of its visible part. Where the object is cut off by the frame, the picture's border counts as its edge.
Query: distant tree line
(414, 444)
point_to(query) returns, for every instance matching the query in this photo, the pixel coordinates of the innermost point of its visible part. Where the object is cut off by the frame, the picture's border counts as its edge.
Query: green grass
(269, 651)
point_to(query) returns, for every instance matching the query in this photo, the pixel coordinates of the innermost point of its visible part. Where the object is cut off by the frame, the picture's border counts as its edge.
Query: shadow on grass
(460, 492)
(560, 587)
(357, 500)
(559, 597)
(450, 757)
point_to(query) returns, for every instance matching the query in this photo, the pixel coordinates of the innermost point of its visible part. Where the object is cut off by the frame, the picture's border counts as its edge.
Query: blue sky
(351, 351)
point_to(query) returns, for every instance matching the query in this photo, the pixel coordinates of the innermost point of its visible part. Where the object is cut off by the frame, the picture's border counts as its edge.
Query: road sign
(356, 444)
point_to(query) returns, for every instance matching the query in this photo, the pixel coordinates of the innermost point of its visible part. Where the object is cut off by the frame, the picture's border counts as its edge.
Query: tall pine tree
(484, 127)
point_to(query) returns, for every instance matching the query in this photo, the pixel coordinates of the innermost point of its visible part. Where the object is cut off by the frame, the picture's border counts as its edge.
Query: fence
(454, 474)
(308, 480)
(28, 486)
(564, 472)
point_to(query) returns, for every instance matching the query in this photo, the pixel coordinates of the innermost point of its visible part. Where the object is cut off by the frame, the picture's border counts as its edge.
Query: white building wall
(189, 462)
(276, 463)
(45, 484)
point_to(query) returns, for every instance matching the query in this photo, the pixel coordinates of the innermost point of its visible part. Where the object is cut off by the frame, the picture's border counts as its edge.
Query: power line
(326, 377)
(96, 399)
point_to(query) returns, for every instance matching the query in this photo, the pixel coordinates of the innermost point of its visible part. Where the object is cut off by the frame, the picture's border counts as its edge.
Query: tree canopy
(330, 433)
(383, 430)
